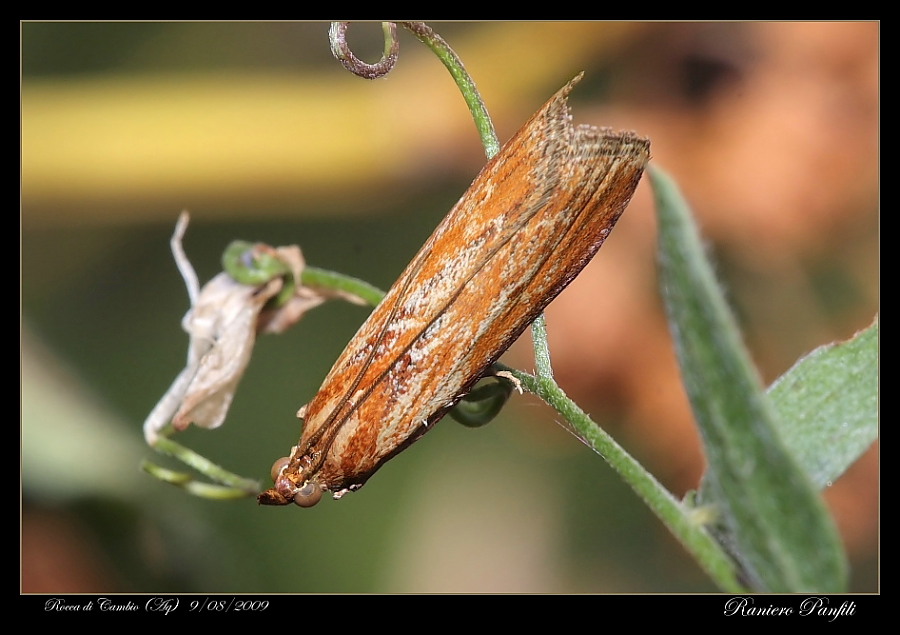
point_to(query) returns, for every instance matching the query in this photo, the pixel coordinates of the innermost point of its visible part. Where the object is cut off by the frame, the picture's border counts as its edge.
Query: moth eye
(308, 495)
(278, 466)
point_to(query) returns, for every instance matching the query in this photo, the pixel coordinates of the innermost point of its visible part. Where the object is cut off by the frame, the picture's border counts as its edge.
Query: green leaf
(771, 516)
(827, 405)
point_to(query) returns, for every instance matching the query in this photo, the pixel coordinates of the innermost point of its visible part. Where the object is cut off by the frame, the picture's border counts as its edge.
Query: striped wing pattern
(528, 224)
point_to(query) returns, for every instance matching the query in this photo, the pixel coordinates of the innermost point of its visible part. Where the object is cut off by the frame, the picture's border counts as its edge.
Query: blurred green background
(253, 127)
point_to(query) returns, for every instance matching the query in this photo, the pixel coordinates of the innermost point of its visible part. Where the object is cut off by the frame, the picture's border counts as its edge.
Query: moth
(530, 222)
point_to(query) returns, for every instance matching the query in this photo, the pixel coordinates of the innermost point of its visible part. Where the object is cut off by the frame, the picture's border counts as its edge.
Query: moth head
(303, 494)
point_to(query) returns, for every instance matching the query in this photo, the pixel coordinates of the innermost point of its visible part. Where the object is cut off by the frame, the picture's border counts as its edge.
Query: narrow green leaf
(827, 405)
(771, 516)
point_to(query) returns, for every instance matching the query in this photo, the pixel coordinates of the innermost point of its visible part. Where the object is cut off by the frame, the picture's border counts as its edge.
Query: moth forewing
(531, 220)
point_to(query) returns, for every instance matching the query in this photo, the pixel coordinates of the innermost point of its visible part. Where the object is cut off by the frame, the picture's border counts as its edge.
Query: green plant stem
(686, 525)
(193, 486)
(239, 485)
(541, 348)
(463, 80)
(314, 277)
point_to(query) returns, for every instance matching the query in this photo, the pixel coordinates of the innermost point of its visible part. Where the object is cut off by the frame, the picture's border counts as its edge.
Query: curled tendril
(484, 402)
(337, 34)
(257, 264)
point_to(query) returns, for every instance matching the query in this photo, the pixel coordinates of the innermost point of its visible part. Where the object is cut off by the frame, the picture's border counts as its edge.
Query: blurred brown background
(771, 129)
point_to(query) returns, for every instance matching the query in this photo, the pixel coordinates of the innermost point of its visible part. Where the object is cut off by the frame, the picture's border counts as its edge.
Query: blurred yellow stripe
(91, 147)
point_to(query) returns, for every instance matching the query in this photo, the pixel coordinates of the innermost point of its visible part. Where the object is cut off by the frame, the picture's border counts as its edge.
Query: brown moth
(529, 223)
